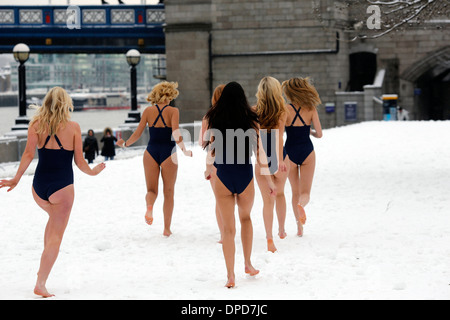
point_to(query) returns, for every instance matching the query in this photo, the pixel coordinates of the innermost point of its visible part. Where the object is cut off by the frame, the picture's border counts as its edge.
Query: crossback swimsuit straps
(269, 142)
(54, 170)
(298, 142)
(161, 145)
(236, 172)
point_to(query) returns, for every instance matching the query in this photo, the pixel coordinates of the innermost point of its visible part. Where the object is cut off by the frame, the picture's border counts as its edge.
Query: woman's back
(65, 134)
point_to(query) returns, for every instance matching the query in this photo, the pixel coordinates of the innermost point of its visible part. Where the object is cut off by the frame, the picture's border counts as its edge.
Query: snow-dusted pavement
(378, 228)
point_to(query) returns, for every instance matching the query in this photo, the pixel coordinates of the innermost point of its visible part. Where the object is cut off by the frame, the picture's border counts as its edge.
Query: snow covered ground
(378, 228)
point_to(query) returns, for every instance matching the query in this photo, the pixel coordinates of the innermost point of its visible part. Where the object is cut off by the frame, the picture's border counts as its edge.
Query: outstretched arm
(177, 134)
(27, 157)
(78, 155)
(317, 132)
(136, 134)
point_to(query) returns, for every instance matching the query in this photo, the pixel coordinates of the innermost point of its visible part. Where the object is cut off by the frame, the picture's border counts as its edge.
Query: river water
(92, 119)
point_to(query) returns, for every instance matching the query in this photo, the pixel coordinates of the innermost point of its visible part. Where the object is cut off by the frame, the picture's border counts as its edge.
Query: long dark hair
(231, 111)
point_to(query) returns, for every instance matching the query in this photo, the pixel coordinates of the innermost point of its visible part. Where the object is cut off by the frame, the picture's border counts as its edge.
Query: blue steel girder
(83, 29)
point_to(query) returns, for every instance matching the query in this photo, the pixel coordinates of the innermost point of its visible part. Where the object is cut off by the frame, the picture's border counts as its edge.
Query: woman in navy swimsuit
(234, 130)
(160, 157)
(59, 143)
(272, 113)
(302, 113)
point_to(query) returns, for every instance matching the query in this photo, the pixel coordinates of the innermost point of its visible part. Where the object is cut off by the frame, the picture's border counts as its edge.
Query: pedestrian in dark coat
(109, 148)
(90, 147)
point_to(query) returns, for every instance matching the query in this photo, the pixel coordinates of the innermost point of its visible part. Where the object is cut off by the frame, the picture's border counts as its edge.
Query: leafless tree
(370, 19)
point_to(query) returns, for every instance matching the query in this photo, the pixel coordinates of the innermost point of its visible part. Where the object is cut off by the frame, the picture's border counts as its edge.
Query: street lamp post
(21, 54)
(133, 59)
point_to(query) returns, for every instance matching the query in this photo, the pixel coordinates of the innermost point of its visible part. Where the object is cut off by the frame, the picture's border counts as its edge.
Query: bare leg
(245, 203)
(58, 208)
(268, 206)
(280, 182)
(226, 203)
(294, 180)
(152, 171)
(218, 215)
(306, 179)
(169, 170)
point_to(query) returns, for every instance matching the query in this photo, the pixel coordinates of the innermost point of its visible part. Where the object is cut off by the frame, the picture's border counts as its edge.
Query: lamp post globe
(21, 52)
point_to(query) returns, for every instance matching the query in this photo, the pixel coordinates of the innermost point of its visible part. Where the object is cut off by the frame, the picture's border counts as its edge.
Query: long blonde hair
(271, 104)
(163, 91)
(300, 91)
(54, 112)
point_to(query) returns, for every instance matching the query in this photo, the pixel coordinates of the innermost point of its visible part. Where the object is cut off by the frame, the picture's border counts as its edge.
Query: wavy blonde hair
(301, 92)
(163, 91)
(217, 93)
(270, 104)
(54, 112)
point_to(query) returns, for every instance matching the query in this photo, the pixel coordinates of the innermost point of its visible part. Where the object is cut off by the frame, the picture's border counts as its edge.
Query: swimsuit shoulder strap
(46, 141)
(297, 115)
(160, 116)
(59, 142)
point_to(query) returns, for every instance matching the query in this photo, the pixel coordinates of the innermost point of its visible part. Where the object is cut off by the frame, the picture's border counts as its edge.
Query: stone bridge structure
(209, 42)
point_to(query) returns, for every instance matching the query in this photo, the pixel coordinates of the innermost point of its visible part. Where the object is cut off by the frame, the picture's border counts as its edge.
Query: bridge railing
(89, 16)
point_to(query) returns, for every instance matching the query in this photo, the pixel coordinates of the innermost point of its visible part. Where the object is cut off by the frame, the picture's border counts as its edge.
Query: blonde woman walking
(160, 158)
(272, 114)
(302, 113)
(59, 142)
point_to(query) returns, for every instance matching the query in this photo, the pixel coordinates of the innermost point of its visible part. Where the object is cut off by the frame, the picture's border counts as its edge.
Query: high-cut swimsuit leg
(298, 142)
(161, 145)
(54, 170)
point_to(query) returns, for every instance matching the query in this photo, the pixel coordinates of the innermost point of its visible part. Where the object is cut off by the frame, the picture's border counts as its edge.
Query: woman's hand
(188, 153)
(11, 184)
(282, 167)
(98, 168)
(208, 172)
(120, 143)
(272, 188)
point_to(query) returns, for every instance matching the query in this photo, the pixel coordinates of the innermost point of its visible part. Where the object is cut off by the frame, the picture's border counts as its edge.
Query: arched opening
(431, 78)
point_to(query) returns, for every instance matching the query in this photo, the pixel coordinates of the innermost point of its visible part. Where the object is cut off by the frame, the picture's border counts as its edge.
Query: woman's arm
(138, 133)
(261, 159)
(175, 124)
(281, 125)
(27, 157)
(78, 155)
(317, 132)
(210, 158)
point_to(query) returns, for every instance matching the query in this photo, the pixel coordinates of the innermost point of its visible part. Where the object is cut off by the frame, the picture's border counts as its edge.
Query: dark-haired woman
(234, 130)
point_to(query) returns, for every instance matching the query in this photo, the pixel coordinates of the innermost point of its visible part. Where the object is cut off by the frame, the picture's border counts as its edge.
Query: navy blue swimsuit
(236, 172)
(161, 145)
(269, 142)
(54, 170)
(298, 142)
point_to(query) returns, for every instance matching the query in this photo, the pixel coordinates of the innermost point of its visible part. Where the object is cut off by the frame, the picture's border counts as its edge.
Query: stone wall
(284, 38)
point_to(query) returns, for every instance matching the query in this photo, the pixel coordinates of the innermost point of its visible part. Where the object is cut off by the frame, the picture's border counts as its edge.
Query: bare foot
(167, 233)
(302, 213)
(282, 234)
(271, 246)
(300, 229)
(42, 291)
(251, 271)
(149, 215)
(231, 283)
